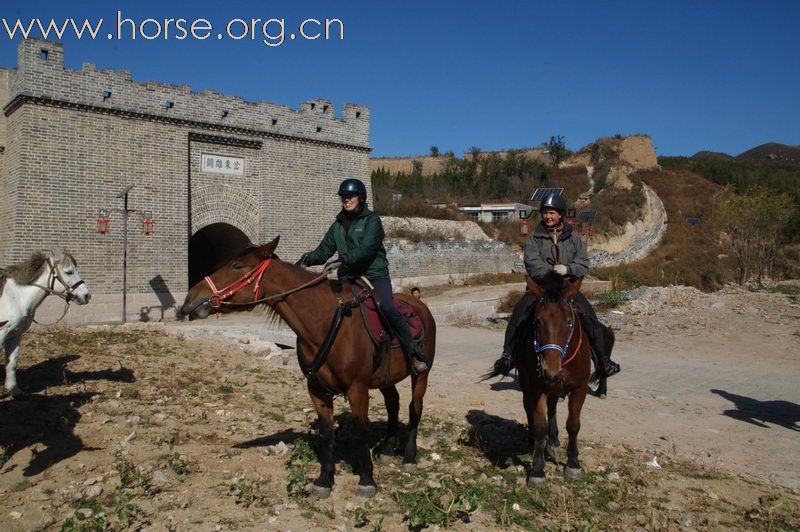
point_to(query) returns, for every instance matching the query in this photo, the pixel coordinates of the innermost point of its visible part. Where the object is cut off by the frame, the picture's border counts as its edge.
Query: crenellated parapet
(41, 77)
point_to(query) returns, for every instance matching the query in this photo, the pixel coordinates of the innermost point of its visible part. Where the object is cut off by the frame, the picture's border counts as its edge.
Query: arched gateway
(214, 170)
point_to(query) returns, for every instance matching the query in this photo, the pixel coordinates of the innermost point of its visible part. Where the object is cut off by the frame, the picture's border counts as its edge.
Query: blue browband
(538, 349)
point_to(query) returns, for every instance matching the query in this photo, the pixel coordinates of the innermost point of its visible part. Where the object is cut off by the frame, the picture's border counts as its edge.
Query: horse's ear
(573, 288)
(533, 287)
(266, 250)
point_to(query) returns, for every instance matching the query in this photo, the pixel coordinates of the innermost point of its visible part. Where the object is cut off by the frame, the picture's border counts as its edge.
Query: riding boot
(601, 338)
(522, 312)
(409, 346)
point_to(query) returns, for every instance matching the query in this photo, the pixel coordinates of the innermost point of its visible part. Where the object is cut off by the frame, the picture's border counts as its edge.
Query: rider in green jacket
(357, 235)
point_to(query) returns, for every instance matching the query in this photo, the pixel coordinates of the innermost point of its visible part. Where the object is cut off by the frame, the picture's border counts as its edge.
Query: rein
(218, 297)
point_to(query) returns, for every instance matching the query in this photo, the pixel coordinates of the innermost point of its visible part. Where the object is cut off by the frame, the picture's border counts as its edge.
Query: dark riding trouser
(600, 336)
(384, 289)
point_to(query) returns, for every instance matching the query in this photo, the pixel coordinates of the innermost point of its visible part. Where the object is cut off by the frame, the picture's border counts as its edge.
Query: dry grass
(509, 301)
(690, 255)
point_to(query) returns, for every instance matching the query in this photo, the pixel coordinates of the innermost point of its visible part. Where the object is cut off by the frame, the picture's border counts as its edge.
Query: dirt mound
(425, 229)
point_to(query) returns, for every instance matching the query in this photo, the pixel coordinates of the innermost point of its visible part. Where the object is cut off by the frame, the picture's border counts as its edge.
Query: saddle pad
(375, 327)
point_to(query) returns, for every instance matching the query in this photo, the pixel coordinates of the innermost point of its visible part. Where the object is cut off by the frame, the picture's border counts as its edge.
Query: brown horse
(306, 302)
(554, 360)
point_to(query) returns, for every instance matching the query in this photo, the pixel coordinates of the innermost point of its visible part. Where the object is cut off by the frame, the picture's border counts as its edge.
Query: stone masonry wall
(68, 153)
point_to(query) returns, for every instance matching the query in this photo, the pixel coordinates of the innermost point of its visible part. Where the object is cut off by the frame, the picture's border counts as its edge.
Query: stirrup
(610, 368)
(504, 365)
(418, 365)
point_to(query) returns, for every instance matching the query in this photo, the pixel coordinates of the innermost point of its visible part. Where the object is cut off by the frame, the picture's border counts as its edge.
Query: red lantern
(524, 227)
(148, 226)
(101, 225)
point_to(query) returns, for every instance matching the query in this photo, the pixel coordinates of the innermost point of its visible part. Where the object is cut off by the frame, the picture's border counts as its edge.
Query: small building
(497, 212)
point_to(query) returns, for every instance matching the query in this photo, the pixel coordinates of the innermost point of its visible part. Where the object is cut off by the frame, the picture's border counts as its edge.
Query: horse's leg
(12, 355)
(359, 405)
(536, 408)
(576, 398)
(392, 400)
(552, 432)
(419, 384)
(323, 404)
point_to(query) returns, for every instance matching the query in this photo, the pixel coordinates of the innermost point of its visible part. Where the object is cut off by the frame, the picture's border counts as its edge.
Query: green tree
(756, 222)
(434, 151)
(557, 149)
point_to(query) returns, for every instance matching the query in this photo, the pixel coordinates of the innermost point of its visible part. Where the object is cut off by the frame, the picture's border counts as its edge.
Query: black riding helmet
(554, 201)
(352, 186)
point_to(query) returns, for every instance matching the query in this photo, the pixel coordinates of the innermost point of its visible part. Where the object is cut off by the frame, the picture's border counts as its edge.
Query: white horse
(23, 287)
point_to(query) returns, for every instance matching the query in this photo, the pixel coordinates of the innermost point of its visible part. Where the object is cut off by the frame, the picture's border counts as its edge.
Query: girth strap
(345, 308)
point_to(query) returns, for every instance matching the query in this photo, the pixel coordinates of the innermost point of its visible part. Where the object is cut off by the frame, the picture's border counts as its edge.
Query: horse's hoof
(409, 467)
(573, 473)
(320, 492)
(367, 491)
(385, 458)
(601, 396)
(537, 482)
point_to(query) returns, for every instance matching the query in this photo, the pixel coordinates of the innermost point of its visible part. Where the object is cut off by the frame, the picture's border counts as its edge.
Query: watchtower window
(106, 95)
(358, 114)
(223, 114)
(43, 55)
(313, 106)
(319, 129)
(169, 105)
(274, 121)
(324, 108)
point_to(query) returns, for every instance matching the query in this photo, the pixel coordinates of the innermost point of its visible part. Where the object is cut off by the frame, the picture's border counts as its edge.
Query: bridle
(562, 350)
(219, 297)
(55, 275)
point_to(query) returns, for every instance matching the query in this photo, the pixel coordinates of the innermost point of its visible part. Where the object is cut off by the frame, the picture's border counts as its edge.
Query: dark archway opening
(211, 247)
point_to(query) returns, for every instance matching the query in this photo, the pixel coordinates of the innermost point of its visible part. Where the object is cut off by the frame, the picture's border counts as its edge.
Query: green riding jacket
(362, 242)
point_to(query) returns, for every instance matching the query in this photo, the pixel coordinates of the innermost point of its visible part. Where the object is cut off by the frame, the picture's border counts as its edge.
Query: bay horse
(23, 287)
(553, 360)
(307, 302)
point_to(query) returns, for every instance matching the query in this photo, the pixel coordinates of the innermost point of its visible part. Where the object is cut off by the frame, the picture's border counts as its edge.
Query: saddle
(376, 322)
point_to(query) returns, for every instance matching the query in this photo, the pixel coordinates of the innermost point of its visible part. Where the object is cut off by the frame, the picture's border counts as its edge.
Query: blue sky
(716, 75)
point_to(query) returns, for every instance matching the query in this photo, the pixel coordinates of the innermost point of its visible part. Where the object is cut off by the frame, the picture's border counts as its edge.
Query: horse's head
(64, 278)
(554, 322)
(206, 296)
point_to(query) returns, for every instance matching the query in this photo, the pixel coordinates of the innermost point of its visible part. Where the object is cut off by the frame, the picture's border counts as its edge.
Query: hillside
(689, 254)
(772, 152)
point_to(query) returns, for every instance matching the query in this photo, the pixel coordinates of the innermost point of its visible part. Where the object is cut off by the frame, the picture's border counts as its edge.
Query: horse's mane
(28, 271)
(553, 286)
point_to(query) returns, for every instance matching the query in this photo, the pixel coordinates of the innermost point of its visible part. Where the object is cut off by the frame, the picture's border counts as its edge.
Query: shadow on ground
(782, 413)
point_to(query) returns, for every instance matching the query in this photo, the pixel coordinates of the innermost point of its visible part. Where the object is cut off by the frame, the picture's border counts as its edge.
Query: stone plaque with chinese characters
(222, 164)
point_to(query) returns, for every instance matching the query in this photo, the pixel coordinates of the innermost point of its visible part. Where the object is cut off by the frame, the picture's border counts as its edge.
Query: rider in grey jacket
(554, 246)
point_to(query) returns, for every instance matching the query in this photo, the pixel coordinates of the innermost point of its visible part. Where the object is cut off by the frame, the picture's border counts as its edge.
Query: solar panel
(693, 221)
(541, 193)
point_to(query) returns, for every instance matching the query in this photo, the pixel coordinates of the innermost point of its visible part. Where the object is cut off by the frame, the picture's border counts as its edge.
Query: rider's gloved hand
(560, 269)
(344, 259)
(503, 366)
(302, 260)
